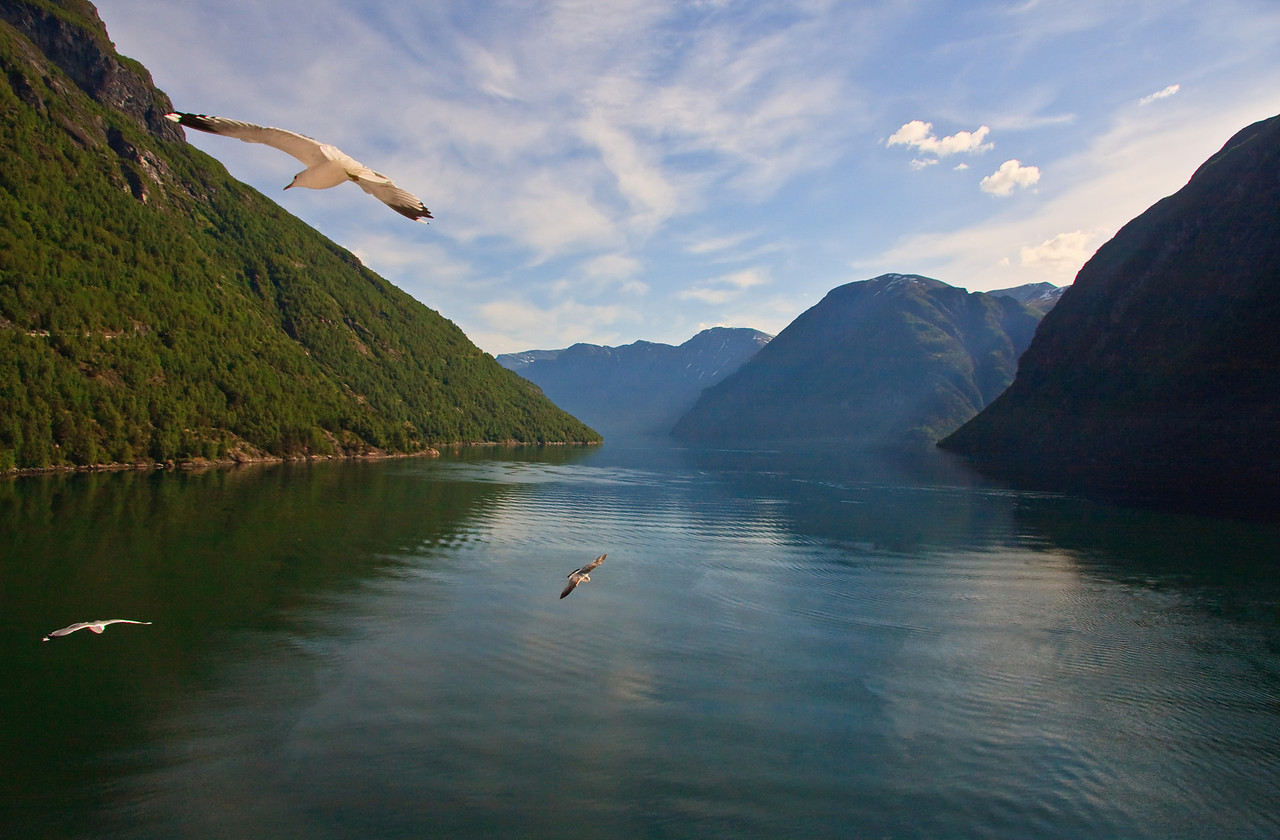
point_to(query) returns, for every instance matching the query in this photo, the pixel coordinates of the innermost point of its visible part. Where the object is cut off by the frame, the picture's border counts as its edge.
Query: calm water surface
(776, 647)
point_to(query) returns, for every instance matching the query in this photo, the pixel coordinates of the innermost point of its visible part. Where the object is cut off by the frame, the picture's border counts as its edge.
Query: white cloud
(1160, 94)
(1106, 183)
(918, 164)
(1065, 249)
(1011, 174)
(918, 134)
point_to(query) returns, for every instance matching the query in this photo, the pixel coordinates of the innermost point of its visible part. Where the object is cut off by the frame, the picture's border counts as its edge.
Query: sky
(606, 171)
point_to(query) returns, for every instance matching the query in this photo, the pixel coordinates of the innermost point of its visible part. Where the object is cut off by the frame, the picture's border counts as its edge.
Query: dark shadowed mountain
(1039, 296)
(899, 360)
(1159, 371)
(153, 308)
(640, 388)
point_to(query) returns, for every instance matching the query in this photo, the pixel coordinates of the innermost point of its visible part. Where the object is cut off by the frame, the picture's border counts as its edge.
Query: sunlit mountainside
(152, 308)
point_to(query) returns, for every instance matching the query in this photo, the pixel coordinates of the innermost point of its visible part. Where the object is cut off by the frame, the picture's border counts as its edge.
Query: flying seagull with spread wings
(578, 576)
(95, 626)
(327, 166)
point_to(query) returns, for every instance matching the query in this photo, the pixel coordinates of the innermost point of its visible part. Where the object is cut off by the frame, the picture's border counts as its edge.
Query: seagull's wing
(71, 628)
(121, 621)
(306, 149)
(594, 563)
(382, 188)
(573, 582)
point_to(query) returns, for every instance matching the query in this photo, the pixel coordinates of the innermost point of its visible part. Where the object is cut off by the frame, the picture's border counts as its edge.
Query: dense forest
(152, 308)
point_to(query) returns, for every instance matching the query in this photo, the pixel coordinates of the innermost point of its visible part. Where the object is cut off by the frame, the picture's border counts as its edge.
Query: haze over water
(775, 647)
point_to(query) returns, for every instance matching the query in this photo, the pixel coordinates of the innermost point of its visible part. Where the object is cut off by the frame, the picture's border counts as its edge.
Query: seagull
(327, 166)
(95, 626)
(578, 576)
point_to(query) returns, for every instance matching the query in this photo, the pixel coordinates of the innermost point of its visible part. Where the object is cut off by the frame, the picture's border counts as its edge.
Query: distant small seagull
(578, 576)
(95, 626)
(327, 166)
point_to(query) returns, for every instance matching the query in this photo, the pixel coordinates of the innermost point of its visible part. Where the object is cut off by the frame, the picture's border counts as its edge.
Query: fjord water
(775, 647)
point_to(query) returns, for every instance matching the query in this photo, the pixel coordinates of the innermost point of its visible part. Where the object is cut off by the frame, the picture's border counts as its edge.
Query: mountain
(899, 360)
(519, 361)
(1159, 371)
(152, 308)
(1039, 296)
(640, 388)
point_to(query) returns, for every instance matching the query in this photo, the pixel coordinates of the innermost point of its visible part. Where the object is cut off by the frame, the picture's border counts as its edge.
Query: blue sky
(614, 170)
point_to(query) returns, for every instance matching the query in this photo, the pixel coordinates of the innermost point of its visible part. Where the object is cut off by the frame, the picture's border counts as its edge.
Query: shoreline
(247, 460)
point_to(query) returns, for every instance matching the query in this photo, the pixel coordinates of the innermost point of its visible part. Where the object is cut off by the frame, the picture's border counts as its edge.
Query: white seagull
(578, 576)
(95, 626)
(327, 166)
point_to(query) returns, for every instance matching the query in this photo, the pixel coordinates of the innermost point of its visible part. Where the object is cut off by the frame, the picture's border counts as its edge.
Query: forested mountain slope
(153, 308)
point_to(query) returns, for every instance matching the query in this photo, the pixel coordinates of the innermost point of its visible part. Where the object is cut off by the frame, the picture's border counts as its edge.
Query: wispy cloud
(613, 266)
(1010, 175)
(511, 325)
(1164, 93)
(591, 163)
(726, 287)
(716, 244)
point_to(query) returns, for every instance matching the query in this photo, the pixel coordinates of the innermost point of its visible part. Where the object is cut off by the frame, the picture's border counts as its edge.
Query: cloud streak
(1164, 93)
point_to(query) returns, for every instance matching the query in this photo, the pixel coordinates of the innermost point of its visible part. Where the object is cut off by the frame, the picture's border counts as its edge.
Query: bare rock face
(1159, 370)
(74, 39)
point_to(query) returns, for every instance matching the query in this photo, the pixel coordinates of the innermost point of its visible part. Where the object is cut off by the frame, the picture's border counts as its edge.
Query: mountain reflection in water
(781, 646)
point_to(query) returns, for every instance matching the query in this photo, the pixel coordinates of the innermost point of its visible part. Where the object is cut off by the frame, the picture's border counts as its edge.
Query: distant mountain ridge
(896, 361)
(1159, 371)
(1040, 296)
(640, 388)
(152, 308)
